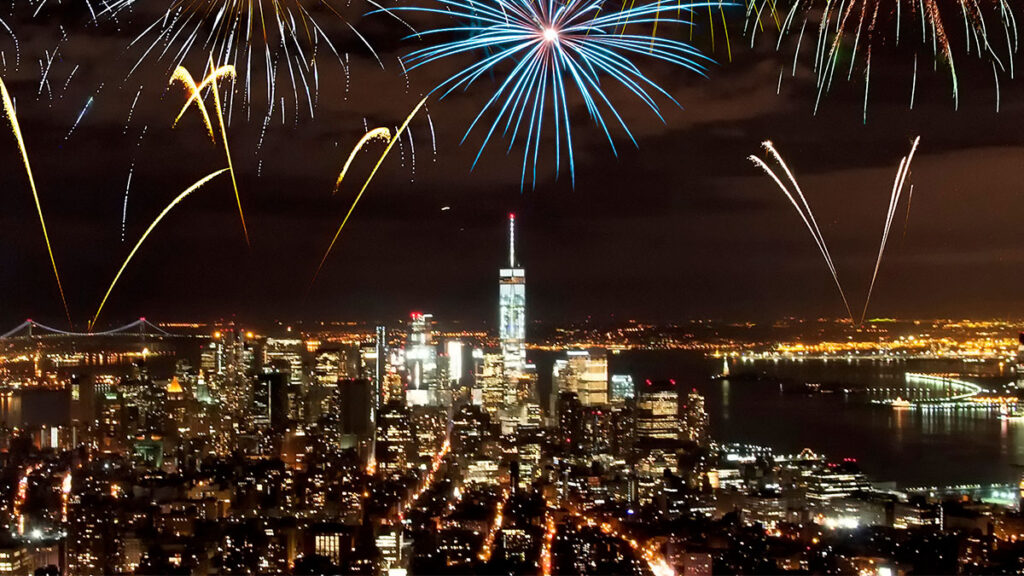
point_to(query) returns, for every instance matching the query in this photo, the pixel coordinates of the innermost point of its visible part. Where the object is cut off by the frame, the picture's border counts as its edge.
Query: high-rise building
(512, 307)
(368, 361)
(453, 352)
(352, 397)
(471, 427)
(394, 437)
(657, 411)
(285, 354)
(836, 480)
(696, 418)
(490, 382)
(570, 422)
(421, 360)
(270, 400)
(379, 369)
(327, 367)
(622, 388)
(582, 374)
(1020, 360)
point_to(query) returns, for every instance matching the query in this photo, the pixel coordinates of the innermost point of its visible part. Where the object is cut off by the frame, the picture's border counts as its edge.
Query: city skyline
(264, 305)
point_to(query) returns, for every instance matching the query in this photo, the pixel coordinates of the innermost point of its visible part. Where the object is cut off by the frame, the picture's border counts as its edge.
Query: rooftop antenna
(511, 240)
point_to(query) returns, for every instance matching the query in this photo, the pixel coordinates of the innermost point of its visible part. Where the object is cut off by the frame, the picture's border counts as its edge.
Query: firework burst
(547, 49)
(845, 34)
(282, 40)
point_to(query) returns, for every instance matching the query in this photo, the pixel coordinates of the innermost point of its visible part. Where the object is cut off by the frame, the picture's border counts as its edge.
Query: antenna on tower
(511, 240)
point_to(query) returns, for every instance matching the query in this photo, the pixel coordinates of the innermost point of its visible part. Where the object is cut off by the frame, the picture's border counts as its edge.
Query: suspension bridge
(30, 329)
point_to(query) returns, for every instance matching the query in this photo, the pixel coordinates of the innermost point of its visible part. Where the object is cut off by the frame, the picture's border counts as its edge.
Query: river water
(910, 447)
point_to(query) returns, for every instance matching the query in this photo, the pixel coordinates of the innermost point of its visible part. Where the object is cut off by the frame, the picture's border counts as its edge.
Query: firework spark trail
(182, 75)
(128, 186)
(865, 23)
(894, 199)
(260, 36)
(131, 111)
(433, 138)
(146, 234)
(554, 49)
(804, 211)
(906, 221)
(88, 104)
(17, 45)
(124, 208)
(377, 133)
(383, 134)
(44, 77)
(12, 117)
(68, 81)
(405, 74)
(412, 155)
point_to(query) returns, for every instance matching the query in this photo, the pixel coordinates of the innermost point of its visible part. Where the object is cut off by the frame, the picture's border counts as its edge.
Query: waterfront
(911, 447)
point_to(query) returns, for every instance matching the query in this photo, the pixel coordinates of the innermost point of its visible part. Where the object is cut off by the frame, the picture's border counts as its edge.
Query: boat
(900, 404)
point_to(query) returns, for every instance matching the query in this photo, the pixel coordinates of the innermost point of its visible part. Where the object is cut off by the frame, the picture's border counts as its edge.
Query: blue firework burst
(542, 49)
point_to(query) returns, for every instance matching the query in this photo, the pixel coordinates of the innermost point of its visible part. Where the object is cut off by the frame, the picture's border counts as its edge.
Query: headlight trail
(894, 200)
(803, 209)
(377, 133)
(182, 75)
(146, 234)
(12, 117)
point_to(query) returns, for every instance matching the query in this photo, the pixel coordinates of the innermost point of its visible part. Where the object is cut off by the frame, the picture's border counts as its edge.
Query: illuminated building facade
(1020, 360)
(285, 354)
(380, 369)
(490, 382)
(512, 307)
(658, 411)
(582, 374)
(837, 480)
(395, 439)
(453, 351)
(696, 418)
(421, 360)
(622, 388)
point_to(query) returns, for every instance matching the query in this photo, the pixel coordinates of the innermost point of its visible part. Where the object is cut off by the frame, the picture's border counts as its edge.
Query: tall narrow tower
(512, 308)
(380, 366)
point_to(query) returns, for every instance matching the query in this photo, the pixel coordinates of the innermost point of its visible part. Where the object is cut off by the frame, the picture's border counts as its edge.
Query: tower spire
(511, 240)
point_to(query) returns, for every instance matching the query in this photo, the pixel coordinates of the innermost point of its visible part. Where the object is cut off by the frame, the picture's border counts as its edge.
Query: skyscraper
(1020, 360)
(658, 411)
(421, 360)
(584, 374)
(378, 374)
(512, 308)
(622, 388)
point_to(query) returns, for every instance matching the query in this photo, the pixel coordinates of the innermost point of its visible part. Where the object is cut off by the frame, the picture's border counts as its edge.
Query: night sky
(681, 227)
